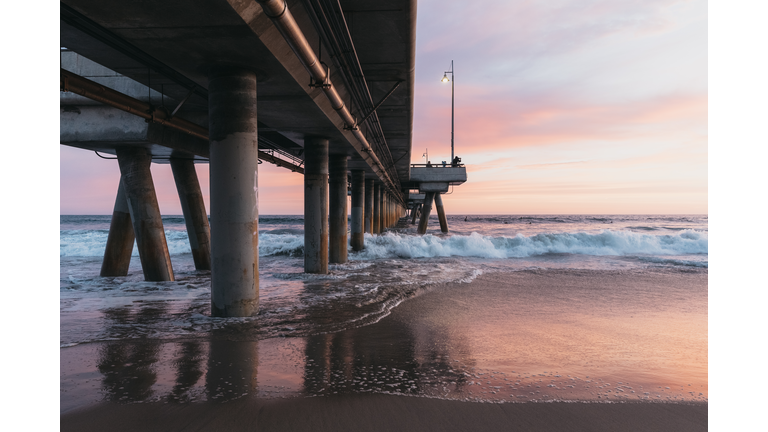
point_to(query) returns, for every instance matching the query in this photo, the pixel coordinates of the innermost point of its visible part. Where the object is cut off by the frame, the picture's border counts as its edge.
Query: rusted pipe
(278, 12)
(92, 90)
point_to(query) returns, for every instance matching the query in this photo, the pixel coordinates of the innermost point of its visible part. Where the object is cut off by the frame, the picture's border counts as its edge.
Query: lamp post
(445, 79)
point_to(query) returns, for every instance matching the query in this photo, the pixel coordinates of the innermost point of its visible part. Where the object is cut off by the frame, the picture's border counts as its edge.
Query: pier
(324, 89)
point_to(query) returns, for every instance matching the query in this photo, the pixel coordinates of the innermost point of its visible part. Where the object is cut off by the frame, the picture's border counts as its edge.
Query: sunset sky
(595, 107)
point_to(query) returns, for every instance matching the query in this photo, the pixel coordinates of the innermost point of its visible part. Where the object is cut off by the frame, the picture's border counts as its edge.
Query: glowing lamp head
(445, 78)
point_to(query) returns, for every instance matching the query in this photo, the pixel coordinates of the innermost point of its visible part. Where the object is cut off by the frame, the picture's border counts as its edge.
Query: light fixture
(445, 79)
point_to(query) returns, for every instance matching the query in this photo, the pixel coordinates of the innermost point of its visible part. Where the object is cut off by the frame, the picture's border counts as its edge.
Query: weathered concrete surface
(337, 207)
(441, 213)
(377, 208)
(368, 223)
(415, 212)
(316, 205)
(452, 175)
(193, 207)
(234, 189)
(117, 255)
(145, 213)
(425, 211)
(358, 209)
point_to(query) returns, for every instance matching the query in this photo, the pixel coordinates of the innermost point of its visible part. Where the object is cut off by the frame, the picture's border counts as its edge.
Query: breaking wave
(394, 245)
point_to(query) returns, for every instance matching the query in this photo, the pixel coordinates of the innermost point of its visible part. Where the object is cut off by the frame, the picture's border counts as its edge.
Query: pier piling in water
(145, 213)
(316, 205)
(441, 212)
(376, 229)
(368, 223)
(337, 184)
(425, 210)
(233, 133)
(193, 207)
(357, 211)
(117, 255)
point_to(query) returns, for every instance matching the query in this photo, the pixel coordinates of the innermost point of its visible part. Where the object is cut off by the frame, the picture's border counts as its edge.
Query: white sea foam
(85, 243)
(394, 245)
(615, 243)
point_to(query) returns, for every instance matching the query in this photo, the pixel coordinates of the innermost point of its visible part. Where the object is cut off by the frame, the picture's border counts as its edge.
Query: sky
(561, 107)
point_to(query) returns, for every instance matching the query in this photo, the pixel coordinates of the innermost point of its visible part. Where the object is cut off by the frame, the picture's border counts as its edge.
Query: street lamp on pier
(446, 79)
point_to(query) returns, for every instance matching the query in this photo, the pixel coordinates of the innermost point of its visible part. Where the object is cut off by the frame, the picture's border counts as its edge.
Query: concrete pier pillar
(337, 205)
(193, 207)
(414, 213)
(382, 211)
(145, 213)
(385, 211)
(368, 222)
(316, 205)
(358, 209)
(441, 212)
(233, 128)
(377, 208)
(117, 256)
(425, 211)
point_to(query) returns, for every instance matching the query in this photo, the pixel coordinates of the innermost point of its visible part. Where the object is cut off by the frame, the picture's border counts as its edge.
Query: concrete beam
(337, 205)
(358, 210)
(234, 178)
(193, 207)
(117, 256)
(145, 213)
(316, 205)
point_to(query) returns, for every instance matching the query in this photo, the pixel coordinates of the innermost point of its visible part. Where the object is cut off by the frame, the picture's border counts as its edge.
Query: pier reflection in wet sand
(460, 341)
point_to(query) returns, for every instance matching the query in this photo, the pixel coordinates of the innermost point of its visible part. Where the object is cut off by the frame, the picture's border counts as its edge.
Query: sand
(387, 413)
(628, 349)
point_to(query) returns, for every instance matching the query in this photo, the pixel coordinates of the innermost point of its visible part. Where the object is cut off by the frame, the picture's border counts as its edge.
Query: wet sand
(636, 339)
(388, 413)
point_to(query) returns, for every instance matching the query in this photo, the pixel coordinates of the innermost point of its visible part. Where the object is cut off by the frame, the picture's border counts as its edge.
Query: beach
(545, 341)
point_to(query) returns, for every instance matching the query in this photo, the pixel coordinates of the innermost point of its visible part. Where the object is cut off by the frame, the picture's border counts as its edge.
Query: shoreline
(377, 412)
(560, 349)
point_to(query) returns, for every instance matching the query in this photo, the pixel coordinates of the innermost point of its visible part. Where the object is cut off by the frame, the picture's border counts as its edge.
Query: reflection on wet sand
(128, 367)
(454, 343)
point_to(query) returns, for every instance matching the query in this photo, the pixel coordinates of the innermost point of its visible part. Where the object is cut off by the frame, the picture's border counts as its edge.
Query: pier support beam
(193, 207)
(117, 256)
(368, 223)
(376, 208)
(382, 210)
(425, 210)
(337, 183)
(441, 212)
(358, 209)
(414, 213)
(316, 205)
(234, 177)
(145, 213)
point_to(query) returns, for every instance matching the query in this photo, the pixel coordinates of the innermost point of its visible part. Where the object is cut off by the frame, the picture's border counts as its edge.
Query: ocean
(503, 308)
